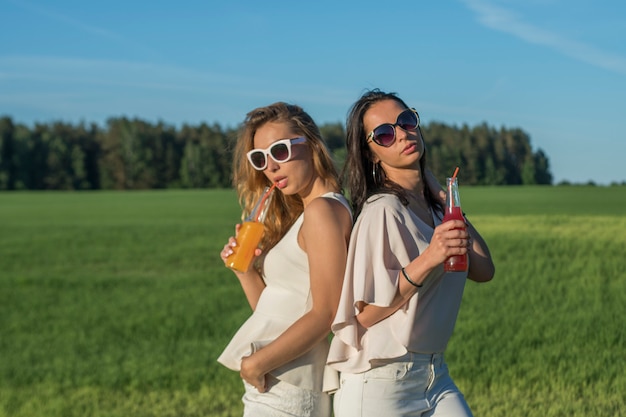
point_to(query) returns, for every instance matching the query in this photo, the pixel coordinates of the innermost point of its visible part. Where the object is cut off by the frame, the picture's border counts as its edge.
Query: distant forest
(132, 154)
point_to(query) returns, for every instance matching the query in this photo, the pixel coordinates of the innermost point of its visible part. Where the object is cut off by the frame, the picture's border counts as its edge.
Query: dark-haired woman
(398, 307)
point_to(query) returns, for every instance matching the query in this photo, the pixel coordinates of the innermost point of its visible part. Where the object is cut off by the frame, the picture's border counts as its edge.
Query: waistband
(432, 358)
(421, 357)
(412, 357)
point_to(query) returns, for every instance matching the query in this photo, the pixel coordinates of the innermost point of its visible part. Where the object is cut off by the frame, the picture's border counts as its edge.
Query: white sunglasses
(280, 151)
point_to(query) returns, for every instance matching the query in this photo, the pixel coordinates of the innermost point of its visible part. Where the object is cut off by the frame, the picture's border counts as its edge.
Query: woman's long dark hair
(362, 176)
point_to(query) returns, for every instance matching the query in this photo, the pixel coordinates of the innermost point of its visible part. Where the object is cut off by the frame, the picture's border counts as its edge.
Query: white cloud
(110, 72)
(504, 20)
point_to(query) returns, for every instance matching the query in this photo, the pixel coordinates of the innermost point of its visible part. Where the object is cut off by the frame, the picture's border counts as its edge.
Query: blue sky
(554, 68)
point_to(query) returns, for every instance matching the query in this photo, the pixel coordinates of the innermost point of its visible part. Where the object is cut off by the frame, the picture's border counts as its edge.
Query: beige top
(286, 298)
(386, 237)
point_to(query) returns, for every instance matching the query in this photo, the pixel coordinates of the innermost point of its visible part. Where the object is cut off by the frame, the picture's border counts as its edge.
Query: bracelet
(406, 276)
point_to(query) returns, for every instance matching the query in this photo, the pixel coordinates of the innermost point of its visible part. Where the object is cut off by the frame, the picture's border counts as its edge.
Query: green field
(117, 304)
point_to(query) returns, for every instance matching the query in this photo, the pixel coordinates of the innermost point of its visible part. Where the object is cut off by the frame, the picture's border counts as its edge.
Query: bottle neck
(452, 194)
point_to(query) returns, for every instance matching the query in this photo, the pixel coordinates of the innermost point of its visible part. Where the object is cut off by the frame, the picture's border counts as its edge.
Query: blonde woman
(293, 289)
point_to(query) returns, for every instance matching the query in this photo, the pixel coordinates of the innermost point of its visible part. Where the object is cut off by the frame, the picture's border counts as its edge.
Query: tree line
(130, 154)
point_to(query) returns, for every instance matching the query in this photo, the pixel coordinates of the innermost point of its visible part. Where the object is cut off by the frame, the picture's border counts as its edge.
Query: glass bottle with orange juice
(250, 234)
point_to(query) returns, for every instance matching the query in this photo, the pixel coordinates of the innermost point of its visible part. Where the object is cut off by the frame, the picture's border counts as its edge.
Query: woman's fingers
(228, 248)
(451, 238)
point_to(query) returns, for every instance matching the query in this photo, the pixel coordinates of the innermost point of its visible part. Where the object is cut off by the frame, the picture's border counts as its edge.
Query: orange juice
(248, 238)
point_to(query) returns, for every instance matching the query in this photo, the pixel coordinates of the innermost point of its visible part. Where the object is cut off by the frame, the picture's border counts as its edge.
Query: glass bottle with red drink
(455, 263)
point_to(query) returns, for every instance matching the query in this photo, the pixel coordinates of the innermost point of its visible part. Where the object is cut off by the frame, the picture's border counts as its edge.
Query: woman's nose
(401, 133)
(272, 165)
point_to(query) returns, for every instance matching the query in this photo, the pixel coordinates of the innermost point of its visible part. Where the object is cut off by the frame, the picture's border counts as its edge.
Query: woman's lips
(281, 182)
(409, 149)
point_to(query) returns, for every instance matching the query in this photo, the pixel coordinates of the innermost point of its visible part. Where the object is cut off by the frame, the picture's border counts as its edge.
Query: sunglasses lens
(407, 120)
(384, 135)
(280, 152)
(257, 159)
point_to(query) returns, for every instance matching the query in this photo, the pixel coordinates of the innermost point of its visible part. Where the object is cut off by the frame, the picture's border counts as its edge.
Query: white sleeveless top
(286, 298)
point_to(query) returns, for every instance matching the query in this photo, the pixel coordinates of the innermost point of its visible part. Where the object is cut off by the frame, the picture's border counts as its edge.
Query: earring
(374, 165)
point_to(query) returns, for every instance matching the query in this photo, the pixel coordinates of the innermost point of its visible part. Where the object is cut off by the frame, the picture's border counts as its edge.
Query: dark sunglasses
(385, 134)
(280, 151)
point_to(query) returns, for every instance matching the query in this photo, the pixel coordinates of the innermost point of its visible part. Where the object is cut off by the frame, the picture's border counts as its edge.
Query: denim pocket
(390, 372)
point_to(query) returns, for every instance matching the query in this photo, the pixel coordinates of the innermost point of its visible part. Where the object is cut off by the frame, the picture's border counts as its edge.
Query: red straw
(456, 171)
(267, 194)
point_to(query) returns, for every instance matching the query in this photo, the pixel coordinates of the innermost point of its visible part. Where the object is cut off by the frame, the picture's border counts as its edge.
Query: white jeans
(285, 400)
(414, 385)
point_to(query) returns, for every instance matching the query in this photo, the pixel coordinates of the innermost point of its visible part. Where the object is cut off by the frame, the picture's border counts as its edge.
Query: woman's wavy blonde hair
(250, 183)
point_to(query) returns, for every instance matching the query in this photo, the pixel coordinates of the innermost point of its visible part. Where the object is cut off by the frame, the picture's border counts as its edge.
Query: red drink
(455, 263)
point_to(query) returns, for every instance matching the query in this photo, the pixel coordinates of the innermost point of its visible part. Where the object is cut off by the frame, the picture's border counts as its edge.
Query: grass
(544, 337)
(117, 304)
